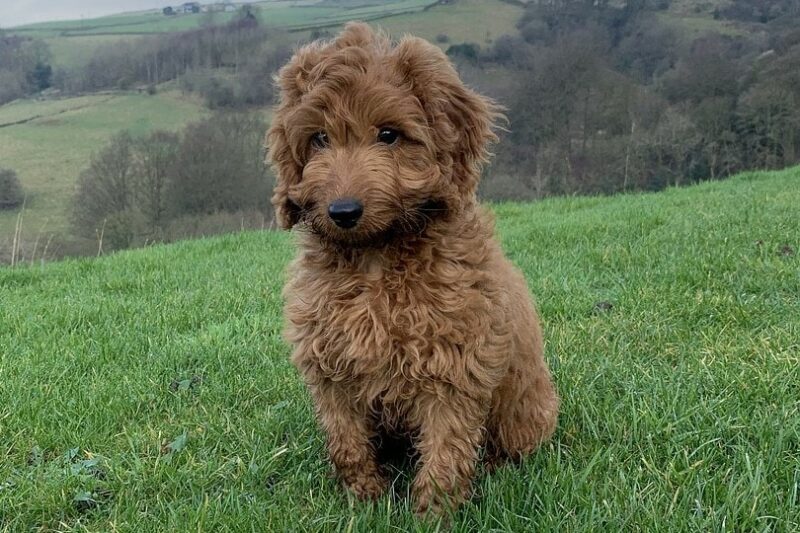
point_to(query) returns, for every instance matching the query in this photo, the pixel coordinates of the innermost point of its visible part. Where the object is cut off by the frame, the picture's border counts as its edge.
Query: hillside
(56, 136)
(285, 14)
(49, 142)
(150, 390)
(72, 43)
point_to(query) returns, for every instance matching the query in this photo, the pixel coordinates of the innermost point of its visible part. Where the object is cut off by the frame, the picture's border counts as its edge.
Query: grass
(476, 21)
(49, 152)
(150, 390)
(77, 52)
(72, 43)
(691, 27)
(288, 15)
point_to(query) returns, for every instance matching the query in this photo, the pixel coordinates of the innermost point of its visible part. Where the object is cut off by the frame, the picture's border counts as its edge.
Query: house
(188, 7)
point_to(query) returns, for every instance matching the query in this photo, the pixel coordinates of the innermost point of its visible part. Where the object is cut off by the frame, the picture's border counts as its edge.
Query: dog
(404, 314)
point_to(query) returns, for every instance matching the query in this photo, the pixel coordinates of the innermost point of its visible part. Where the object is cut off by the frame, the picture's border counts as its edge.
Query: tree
(220, 165)
(11, 195)
(24, 66)
(707, 71)
(153, 170)
(769, 125)
(104, 197)
(41, 76)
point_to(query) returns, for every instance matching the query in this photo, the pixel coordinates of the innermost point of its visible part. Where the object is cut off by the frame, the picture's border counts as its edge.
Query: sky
(16, 12)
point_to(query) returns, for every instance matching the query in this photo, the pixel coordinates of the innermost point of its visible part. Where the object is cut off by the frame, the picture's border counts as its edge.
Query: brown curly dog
(406, 318)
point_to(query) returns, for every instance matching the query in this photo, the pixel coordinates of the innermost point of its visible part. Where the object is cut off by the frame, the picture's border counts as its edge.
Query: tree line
(210, 177)
(229, 64)
(603, 98)
(24, 66)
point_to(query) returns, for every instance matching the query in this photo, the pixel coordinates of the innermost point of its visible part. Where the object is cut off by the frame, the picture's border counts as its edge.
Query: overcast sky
(16, 12)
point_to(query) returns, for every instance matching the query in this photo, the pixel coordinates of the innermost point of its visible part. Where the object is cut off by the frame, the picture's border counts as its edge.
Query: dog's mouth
(367, 234)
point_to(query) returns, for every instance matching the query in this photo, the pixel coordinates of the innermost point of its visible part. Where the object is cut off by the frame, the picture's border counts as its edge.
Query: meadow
(288, 15)
(150, 390)
(72, 43)
(49, 151)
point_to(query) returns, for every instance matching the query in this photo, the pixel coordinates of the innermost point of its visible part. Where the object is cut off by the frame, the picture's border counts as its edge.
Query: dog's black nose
(345, 212)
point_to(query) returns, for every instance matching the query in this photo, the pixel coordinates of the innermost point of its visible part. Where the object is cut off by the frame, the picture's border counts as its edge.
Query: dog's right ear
(287, 173)
(293, 81)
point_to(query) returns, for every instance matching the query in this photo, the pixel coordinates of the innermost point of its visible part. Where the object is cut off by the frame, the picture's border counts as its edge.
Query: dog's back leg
(525, 405)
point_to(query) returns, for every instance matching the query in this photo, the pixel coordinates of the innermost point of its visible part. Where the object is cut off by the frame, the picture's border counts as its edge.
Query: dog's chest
(387, 330)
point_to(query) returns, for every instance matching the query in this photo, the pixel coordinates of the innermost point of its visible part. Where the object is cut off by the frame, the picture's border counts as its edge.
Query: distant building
(195, 7)
(188, 7)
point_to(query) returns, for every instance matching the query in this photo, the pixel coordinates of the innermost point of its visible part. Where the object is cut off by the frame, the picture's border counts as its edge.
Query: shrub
(162, 186)
(468, 51)
(220, 166)
(105, 192)
(11, 195)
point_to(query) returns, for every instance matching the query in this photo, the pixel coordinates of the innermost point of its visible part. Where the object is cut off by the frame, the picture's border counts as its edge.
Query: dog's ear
(355, 34)
(462, 121)
(288, 171)
(298, 76)
(293, 80)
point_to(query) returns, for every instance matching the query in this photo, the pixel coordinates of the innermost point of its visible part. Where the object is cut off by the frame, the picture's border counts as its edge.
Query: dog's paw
(367, 486)
(431, 502)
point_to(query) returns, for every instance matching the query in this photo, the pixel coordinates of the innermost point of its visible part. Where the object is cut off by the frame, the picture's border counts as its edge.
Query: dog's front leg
(451, 431)
(348, 433)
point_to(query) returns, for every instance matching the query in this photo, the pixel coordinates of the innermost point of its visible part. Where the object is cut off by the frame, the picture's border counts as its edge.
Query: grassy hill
(49, 142)
(55, 138)
(73, 42)
(284, 14)
(150, 390)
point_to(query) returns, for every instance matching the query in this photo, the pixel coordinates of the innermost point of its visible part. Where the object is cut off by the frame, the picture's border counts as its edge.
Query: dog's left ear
(462, 121)
(287, 173)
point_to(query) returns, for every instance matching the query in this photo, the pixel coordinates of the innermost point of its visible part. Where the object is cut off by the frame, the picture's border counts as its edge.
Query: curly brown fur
(413, 321)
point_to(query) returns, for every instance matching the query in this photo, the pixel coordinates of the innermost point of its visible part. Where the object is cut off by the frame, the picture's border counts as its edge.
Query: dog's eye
(320, 140)
(388, 136)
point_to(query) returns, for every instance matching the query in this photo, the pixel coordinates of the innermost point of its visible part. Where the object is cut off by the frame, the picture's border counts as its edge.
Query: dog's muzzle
(345, 212)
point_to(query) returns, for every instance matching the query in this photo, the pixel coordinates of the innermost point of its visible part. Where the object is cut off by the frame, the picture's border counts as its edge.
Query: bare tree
(104, 195)
(11, 195)
(153, 169)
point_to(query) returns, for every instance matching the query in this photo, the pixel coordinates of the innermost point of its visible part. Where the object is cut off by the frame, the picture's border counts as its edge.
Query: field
(288, 15)
(76, 52)
(150, 390)
(72, 43)
(459, 21)
(50, 150)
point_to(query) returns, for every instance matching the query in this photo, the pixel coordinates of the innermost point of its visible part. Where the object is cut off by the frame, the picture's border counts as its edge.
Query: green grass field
(284, 14)
(72, 43)
(49, 152)
(151, 391)
(475, 21)
(76, 52)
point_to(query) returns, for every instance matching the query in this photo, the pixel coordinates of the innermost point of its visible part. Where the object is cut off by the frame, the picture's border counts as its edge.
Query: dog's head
(372, 137)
